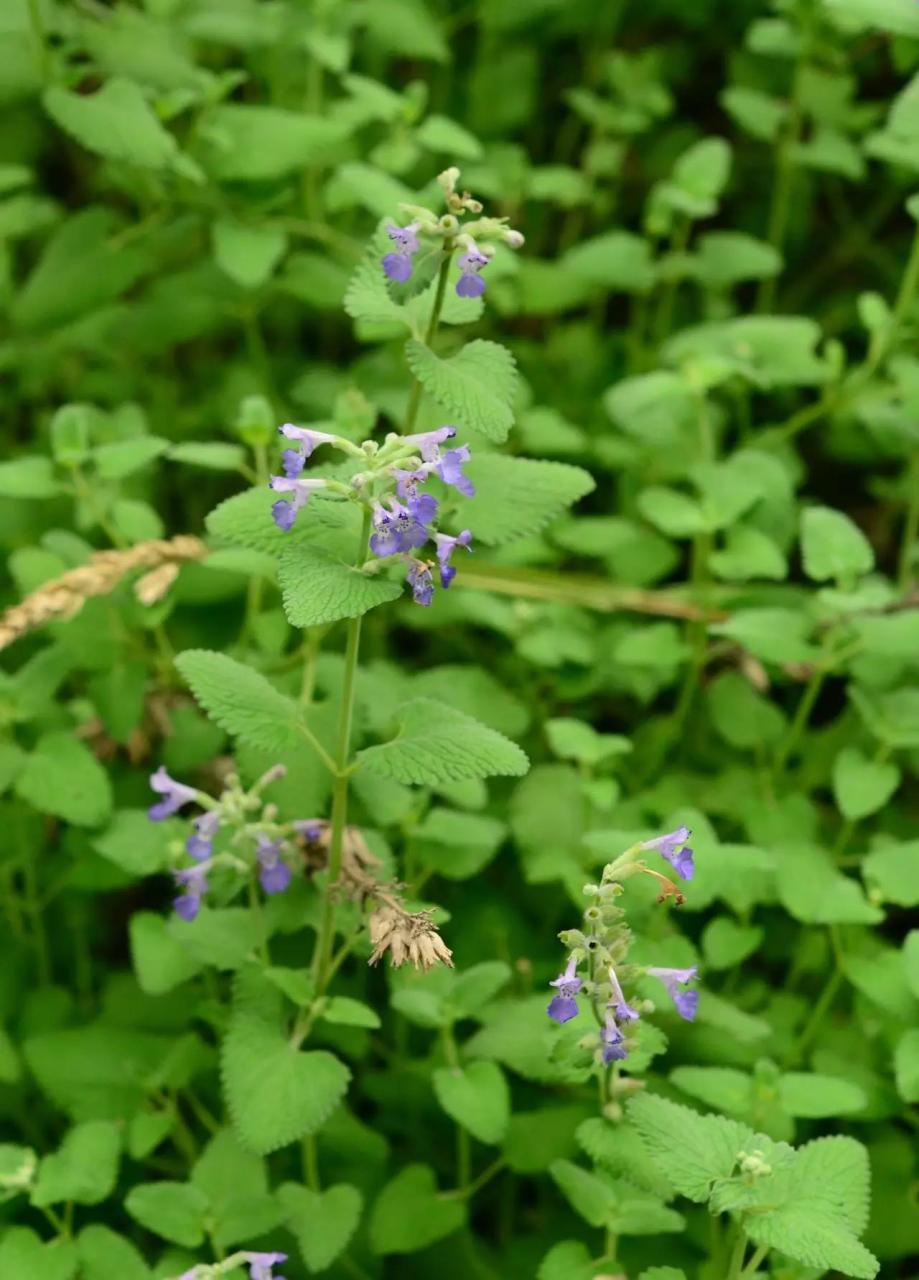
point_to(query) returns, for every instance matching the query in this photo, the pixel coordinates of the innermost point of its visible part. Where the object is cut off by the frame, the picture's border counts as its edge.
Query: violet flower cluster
(261, 1266)
(255, 843)
(602, 946)
(392, 489)
(475, 242)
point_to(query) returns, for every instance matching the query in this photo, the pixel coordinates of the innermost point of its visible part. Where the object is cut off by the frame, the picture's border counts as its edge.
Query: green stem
(33, 903)
(755, 1260)
(258, 354)
(799, 723)
(781, 190)
(664, 319)
(326, 936)
(311, 1163)
(40, 38)
(908, 285)
(414, 400)
(255, 904)
(735, 1265)
(822, 1007)
(910, 526)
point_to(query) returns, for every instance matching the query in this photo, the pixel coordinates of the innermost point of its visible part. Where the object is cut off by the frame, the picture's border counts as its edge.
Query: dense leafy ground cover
(305, 1010)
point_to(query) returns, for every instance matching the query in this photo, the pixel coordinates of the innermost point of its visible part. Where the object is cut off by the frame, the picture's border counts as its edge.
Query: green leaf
(84, 1169)
(775, 635)
(257, 143)
(517, 496)
(224, 937)
(833, 546)
(899, 17)
(617, 260)
(690, 1150)
(275, 1092)
(117, 122)
(861, 785)
(409, 1214)
(727, 944)
(107, 1256)
(906, 1065)
(748, 553)
(323, 1222)
(241, 701)
(318, 587)
(62, 777)
(730, 257)
(476, 386)
(24, 1257)
(567, 1260)
(210, 455)
(813, 891)
(812, 1096)
(587, 1194)
(894, 870)
(437, 744)
(160, 961)
(446, 137)
(174, 1210)
(477, 1097)
(96, 1072)
(345, 1012)
(70, 434)
(247, 254)
(236, 1185)
(137, 845)
(124, 457)
(28, 478)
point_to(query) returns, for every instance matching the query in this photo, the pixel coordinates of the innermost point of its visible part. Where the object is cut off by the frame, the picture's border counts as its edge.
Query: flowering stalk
(326, 936)
(414, 401)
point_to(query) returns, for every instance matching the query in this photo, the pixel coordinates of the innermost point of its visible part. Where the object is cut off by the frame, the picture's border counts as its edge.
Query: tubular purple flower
(200, 844)
(194, 882)
(685, 1002)
(622, 1009)
(174, 794)
(420, 580)
(396, 530)
(450, 469)
(563, 1007)
(285, 512)
(470, 283)
(307, 438)
(612, 1039)
(426, 442)
(274, 873)
(292, 460)
(675, 850)
(398, 265)
(261, 1264)
(445, 548)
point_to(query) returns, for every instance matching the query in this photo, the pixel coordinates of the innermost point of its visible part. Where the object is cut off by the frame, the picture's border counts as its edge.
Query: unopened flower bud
(448, 224)
(448, 179)
(514, 239)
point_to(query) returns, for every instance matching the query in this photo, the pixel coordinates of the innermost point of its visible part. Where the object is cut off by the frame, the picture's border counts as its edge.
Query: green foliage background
(695, 601)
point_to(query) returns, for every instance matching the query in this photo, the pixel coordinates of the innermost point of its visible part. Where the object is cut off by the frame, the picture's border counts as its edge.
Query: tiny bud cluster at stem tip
(476, 253)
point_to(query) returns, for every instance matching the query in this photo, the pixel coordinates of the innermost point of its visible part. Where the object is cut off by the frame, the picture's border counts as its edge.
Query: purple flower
(274, 873)
(285, 512)
(612, 1040)
(194, 882)
(450, 469)
(427, 442)
(307, 439)
(292, 460)
(261, 1264)
(445, 548)
(470, 283)
(200, 844)
(675, 850)
(622, 1009)
(398, 265)
(564, 1006)
(309, 828)
(174, 794)
(686, 1002)
(422, 505)
(396, 530)
(420, 580)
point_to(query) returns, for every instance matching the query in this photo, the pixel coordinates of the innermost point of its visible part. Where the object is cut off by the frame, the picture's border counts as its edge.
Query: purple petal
(398, 266)
(470, 286)
(187, 906)
(562, 1008)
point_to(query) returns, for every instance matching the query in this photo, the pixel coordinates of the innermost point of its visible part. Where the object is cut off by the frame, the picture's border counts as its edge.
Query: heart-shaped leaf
(476, 1097)
(860, 785)
(323, 1222)
(409, 1214)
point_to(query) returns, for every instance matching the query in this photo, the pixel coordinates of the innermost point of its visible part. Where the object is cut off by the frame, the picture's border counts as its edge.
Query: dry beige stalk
(408, 936)
(63, 597)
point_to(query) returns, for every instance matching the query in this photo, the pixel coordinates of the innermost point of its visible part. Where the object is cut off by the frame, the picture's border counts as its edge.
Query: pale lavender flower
(426, 442)
(563, 1007)
(200, 844)
(398, 265)
(174, 794)
(470, 283)
(420, 580)
(445, 548)
(261, 1264)
(292, 460)
(422, 505)
(285, 512)
(396, 530)
(622, 1009)
(675, 850)
(274, 873)
(450, 469)
(306, 437)
(194, 881)
(685, 1002)
(612, 1040)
